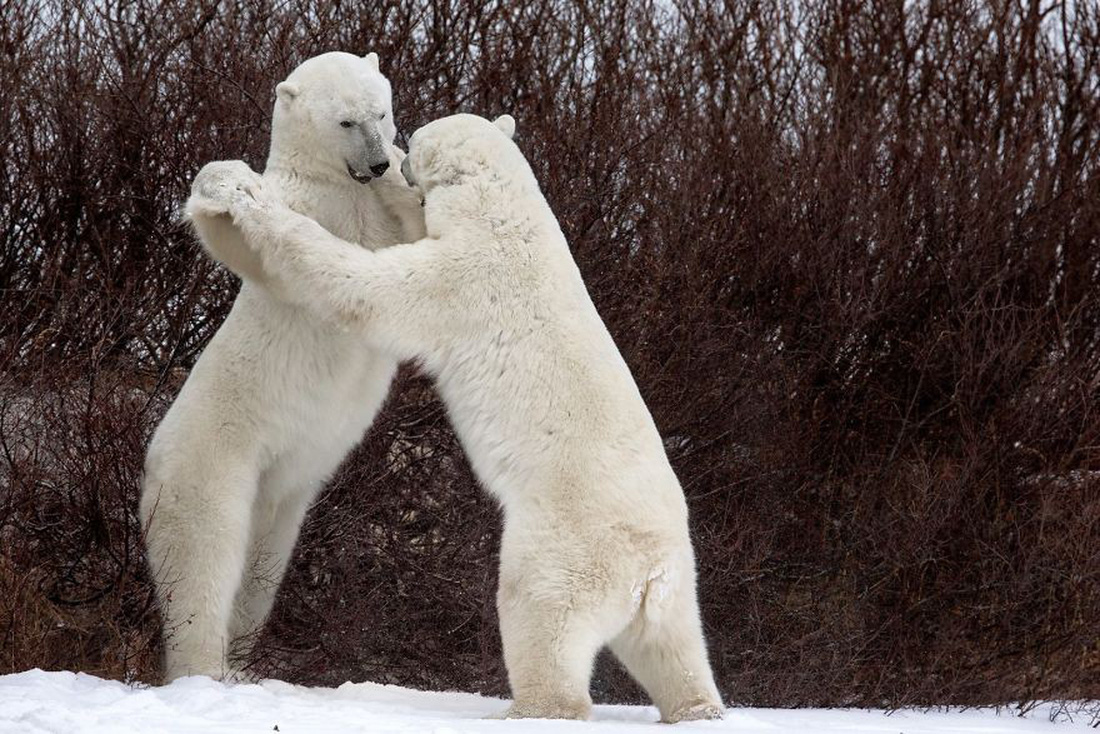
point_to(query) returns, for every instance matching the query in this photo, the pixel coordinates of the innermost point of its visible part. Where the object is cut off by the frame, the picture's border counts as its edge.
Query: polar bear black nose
(379, 169)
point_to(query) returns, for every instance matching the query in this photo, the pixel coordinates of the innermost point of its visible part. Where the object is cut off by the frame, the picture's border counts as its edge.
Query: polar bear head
(334, 115)
(453, 149)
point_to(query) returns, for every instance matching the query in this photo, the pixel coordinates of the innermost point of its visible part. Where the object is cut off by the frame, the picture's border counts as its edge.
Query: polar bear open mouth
(360, 177)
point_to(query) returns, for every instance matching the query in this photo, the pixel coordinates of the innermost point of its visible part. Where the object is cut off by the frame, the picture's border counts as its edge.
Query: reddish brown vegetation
(851, 256)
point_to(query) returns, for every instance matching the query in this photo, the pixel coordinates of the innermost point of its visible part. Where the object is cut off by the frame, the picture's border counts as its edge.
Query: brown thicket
(849, 250)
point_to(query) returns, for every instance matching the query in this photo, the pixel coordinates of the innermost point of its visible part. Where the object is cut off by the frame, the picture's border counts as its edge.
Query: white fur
(595, 547)
(278, 397)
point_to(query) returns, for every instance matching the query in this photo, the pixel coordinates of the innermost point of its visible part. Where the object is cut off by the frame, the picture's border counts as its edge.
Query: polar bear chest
(353, 212)
(321, 386)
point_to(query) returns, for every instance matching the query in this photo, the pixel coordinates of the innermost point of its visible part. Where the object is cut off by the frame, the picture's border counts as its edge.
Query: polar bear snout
(369, 161)
(368, 169)
(360, 177)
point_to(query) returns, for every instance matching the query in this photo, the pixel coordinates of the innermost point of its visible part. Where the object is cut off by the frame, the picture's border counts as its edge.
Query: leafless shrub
(848, 249)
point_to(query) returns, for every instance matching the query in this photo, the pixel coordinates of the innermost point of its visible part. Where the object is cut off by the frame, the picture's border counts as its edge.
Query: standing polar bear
(278, 397)
(595, 548)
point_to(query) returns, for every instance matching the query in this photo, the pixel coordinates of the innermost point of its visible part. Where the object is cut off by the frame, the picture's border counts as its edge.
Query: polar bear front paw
(225, 187)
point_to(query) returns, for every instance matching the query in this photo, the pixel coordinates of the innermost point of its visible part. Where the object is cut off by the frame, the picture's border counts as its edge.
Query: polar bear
(278, 397)
(595, 548)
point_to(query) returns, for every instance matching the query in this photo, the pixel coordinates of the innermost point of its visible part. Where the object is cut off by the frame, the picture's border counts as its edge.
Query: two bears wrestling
(354, 258)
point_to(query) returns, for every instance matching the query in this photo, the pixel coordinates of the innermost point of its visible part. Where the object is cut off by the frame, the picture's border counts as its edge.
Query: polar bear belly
(328, 387)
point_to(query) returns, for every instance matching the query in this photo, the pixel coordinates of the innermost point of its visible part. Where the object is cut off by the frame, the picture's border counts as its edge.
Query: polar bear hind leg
(558, 605)
(549, 650)
(664, 651)
(197, 537)
(276, 522)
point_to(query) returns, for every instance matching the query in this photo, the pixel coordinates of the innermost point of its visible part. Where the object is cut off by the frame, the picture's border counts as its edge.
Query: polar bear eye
(382, 116)
(347, 123)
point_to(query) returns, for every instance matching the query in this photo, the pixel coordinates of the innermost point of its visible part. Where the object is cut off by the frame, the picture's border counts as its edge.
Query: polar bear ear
(372, 60)
(287, 90)
(506, 124)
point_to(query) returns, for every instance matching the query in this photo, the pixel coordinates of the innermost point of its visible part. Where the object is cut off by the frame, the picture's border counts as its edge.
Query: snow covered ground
(37, 702)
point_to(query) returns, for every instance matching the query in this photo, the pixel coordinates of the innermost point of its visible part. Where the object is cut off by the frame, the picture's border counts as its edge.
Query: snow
(37, 702)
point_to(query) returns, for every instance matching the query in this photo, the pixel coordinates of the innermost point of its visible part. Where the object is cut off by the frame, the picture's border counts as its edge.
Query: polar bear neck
(294, 157)
(475, 205)
(295, 164)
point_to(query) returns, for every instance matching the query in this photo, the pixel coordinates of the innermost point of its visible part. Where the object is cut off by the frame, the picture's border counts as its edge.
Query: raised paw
(225, 187)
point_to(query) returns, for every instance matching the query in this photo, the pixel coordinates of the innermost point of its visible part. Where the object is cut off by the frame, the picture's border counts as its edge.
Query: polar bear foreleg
(223, 240)
(395, 295)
